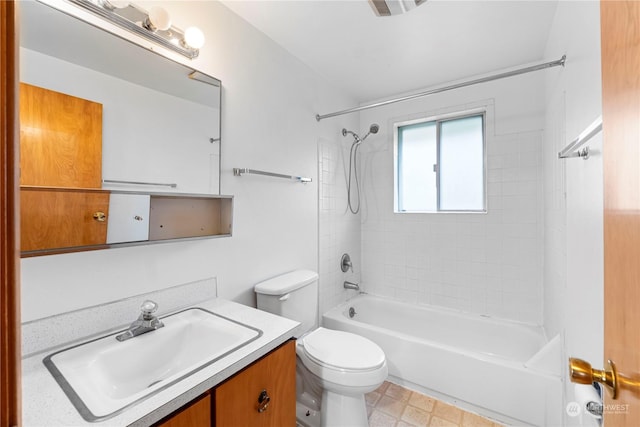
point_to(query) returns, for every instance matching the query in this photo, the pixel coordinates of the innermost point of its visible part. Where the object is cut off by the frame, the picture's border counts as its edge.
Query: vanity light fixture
(154, 25)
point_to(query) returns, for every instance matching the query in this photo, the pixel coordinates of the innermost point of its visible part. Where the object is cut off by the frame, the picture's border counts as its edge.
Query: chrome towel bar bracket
(573, 148)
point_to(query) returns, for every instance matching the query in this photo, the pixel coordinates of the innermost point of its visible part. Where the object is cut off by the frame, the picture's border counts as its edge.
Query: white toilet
(334, 369)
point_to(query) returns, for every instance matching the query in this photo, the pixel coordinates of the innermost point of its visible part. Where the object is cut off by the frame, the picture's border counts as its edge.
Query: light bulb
(193, 37)
(158, 19)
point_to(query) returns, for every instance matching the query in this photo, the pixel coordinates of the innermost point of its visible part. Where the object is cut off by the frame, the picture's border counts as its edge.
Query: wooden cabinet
(62, 218)
(60, 139)
(261, 395)
(195, 414)
(237, 401)
(61, 205)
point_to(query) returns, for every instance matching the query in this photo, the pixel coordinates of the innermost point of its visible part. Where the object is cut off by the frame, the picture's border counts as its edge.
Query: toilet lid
(343, 350)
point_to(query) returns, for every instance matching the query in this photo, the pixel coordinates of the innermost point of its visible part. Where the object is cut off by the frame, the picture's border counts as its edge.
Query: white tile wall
(555, 217)
(483, 263)
(339, 229)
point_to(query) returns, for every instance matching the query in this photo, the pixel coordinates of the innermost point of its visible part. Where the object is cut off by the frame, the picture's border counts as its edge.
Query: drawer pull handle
(263, 401)
(100, 216)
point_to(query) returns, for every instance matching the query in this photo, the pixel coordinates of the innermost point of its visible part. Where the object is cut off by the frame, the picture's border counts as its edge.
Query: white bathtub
(499, 368)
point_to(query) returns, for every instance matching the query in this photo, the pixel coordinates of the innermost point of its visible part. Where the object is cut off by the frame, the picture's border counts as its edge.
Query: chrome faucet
(350, 285)
(146, 322)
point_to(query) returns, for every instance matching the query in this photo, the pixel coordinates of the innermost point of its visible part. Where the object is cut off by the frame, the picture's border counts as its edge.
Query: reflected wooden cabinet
(60, 139)
(61, 204)
(53, 218)
(261, 395)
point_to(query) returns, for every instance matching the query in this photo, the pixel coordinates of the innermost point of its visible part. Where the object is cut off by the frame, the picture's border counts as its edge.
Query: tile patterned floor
(394, 406)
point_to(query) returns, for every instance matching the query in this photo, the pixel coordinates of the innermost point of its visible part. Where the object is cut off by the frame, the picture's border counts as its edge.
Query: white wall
(484, 263)
(574, 189)
(268, 122)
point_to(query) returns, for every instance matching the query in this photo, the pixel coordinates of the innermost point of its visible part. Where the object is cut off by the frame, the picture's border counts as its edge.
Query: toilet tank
(293, 295)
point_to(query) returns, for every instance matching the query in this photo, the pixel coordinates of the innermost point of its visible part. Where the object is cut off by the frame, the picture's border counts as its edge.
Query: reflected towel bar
(572, 150)
(241, 171)
(160, 184)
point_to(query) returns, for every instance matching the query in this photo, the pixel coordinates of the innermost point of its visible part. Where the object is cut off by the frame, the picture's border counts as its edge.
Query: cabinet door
(128, 218)
(60, 139)
(237, 400)
(58, 218)
(197, 414)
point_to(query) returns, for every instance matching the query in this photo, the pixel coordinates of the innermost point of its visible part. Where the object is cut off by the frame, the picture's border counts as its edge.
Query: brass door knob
(581, 372)
(100, 216)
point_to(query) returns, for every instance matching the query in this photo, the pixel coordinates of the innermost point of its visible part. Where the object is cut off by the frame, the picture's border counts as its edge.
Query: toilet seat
(342, 350)
(343, 359)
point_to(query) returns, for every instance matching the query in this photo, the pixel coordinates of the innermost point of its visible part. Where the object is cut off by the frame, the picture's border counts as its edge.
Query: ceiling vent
(394, 7)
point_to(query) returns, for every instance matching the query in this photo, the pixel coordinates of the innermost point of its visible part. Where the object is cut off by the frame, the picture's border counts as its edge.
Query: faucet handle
(148, 307)
(345, 263)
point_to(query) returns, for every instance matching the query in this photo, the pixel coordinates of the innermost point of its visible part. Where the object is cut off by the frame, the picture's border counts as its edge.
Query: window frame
(439, 119)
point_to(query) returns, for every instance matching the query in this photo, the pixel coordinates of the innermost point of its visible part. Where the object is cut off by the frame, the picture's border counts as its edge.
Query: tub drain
(352, 312)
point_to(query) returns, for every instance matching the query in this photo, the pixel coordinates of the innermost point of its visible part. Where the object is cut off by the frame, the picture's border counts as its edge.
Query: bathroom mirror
(161, 119)
(155, 174)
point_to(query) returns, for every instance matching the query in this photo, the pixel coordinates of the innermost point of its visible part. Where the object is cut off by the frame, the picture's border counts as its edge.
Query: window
(440, 165)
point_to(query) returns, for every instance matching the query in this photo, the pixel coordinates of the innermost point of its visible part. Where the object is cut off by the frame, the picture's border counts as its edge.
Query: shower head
(374, 128)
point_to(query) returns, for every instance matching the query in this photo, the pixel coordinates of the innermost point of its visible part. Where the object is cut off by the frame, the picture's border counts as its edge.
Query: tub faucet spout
(350, 285)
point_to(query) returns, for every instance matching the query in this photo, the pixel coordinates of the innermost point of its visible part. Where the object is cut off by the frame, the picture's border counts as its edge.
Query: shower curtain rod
(511, 73)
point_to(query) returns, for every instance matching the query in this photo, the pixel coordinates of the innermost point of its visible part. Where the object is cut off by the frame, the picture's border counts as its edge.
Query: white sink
(104, 376)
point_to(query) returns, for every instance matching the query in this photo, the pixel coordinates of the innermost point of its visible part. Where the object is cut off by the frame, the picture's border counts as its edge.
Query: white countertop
(45, 404)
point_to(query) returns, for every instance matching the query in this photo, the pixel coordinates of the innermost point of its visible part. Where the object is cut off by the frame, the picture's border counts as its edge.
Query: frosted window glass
(417, 153)
(462, 165)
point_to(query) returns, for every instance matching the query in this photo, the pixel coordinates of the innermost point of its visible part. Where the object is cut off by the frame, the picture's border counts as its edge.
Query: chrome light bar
(136, 20)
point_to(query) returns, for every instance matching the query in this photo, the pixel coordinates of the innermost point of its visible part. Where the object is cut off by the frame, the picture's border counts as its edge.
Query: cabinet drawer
(237, 399)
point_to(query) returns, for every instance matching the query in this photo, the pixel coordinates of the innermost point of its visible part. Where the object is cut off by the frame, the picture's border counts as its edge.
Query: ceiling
(373, 57)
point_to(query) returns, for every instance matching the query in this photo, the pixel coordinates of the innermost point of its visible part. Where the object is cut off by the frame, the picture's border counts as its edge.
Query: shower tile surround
(486, 263)
(339, 229)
